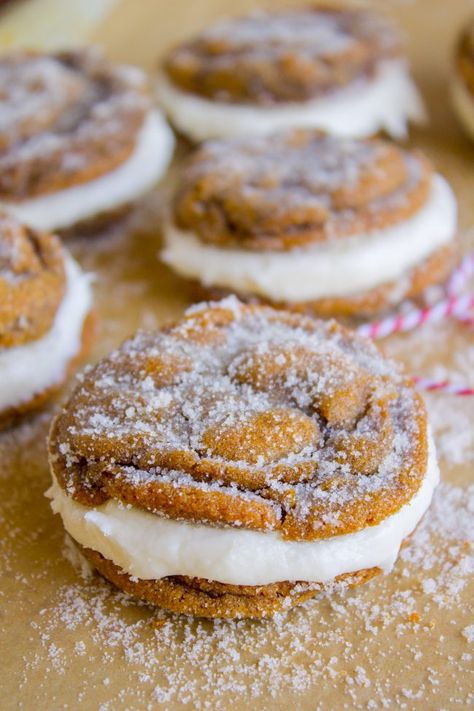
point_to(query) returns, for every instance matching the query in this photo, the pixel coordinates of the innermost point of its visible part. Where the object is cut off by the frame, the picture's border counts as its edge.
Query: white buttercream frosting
(463, 102)
(337, 268)
(385, 102)
(123, 185)
(29, 369)
(148, 546)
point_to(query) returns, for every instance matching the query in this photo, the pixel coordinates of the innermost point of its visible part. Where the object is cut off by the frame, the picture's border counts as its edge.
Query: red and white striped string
(443, 386)
(454, 305)
(458, 306)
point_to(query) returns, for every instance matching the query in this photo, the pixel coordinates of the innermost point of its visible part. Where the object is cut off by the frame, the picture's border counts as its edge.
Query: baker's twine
(455, 305)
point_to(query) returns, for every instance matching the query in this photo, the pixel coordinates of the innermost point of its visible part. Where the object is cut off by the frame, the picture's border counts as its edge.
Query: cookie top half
(296, 188)
(66, 118)
(288, 56)
(248, 417)
(32, 282)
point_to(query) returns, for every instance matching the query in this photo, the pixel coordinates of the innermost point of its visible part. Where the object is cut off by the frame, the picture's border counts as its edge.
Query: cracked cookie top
(296, 188)
(32, 282)
(289, 56)
(247, 417)
(66, 118)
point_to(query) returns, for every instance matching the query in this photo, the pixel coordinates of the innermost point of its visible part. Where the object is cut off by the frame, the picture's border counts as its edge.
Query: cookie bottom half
(208, 598)
(96, 226)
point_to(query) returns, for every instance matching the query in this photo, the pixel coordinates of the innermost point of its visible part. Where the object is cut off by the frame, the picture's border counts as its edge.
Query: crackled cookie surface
(298, 67)
(32, 282)
(288, 56)
(297, 188)
(312, 221)
(248, 431)
(69, 122)
(44, 303)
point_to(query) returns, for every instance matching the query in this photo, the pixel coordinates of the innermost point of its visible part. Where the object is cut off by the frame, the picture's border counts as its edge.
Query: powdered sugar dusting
(61, 111)
(324, 37)
(250, 405)
(313, 49)
(295, 188)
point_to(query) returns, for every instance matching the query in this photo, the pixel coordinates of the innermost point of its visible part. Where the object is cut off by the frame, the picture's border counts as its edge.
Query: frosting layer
(31, 368)
(123, 185)
(386, 102)
(149, 546)
(339, 268)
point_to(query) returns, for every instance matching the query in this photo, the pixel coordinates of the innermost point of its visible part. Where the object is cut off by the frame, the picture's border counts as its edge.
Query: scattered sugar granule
(342, 643)
(468, 633)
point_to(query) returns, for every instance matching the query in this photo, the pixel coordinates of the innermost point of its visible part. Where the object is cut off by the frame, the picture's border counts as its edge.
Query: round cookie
(79, 138)
(45, 321)
(312, 222)
(308, 67)
(235, 463)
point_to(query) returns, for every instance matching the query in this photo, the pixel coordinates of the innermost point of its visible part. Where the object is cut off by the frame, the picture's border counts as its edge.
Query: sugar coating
(71, 110)
(299, 418)
(297, 188)
(311, 50)
(32, 282)
(324, 37)
(13, 245)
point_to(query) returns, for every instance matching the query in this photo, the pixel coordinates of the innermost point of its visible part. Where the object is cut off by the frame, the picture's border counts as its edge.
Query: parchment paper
(403, 641)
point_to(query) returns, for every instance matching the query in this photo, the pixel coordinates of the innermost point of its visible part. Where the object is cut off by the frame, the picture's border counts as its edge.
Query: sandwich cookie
(79, 138)
(241, 460)
(332, 226)
(45, 317)
(342, 70)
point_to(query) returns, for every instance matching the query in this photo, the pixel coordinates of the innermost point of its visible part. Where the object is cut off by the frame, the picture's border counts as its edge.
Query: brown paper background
(123, 656)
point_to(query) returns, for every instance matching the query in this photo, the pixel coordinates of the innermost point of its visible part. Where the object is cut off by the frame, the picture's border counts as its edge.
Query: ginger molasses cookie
(78, 137)
(463, 80)
(238, 461)
(319, 223)
(45, 324)
(338, 69)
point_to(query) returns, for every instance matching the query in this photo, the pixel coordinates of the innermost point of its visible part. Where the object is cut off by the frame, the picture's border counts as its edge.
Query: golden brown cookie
(45, 321)
(68, 118)
(286, 56)
(238, 414)
(297, 188)
(208, 598)
(312, 223)
(32, 282)
(340, 69)
(80, 139)
(237, 418)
